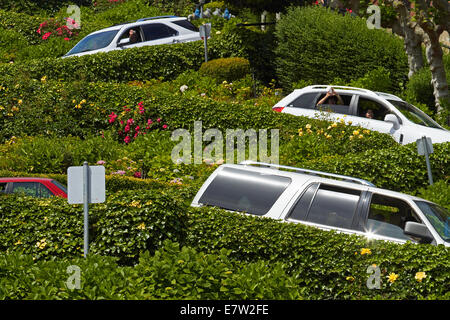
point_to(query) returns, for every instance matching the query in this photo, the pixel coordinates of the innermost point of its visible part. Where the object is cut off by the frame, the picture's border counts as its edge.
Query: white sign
(96, 183)
(422, 144)
(205, 30)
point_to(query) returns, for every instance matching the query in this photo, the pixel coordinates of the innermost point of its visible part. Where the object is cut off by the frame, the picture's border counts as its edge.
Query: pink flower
(141, 110)
(137, 128)
(141, 104)
(137, 174)
(39, 30)
(121, 122)
(101, 162)
(149, 122)
(130, 121)
(127, 139)
(165, 126)
(136, 134)
(67, 39)
(45, 36)
(112, 117)
(158, 120)
(127, 128)
(121, 172)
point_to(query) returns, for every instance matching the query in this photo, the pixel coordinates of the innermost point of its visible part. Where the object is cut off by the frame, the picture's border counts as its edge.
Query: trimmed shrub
(320, 45)
(228, 69)
(327, 264)
(398, 168)
(128, 223)
(171, 273)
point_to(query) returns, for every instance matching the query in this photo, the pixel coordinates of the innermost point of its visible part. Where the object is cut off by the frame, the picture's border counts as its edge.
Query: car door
(329, 207)
(159, 33)
(377, 123)
(385, 217)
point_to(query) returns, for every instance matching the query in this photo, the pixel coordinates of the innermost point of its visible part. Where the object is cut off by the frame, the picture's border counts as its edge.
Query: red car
(36, 187)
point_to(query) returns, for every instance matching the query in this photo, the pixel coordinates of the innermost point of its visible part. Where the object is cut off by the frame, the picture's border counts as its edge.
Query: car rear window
(247, 191)
(186, 24)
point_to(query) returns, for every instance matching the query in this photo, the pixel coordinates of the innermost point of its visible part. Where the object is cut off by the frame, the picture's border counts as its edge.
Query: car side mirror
(392, 119)
(124, 42)
(418, 230)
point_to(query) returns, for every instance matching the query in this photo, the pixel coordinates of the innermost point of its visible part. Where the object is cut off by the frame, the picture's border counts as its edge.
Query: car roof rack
(310, 172)
(320, 86)
(157, 17)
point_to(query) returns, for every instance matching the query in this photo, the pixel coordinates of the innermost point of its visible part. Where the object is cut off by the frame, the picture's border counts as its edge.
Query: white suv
(391, 115)
(319, 199)
(148, 32)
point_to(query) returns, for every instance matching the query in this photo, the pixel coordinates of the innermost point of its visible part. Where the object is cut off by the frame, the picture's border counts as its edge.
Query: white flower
(183, 88)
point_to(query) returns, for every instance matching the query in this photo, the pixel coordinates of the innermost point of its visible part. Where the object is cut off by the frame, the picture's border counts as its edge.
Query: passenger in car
(133, 36)
(332, 97)
(369, 113)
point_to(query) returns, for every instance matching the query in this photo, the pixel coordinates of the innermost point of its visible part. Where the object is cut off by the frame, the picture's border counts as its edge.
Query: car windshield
(415, 115)
(94, 42)
(438, 216)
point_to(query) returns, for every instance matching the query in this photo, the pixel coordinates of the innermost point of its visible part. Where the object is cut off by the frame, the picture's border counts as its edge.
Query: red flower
(127, 128)
(130, 121)
(149, 122)
(137, 174)
(67, 39)
(127, 139)
(112, 117)
(165, 126)
(45, 36)
(141, 110)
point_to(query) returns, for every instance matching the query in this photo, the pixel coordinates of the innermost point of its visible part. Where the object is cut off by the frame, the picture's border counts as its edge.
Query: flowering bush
(132, 122)
(53, 27)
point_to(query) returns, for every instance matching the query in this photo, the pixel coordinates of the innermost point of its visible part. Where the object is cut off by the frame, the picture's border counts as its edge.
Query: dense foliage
(332, 46)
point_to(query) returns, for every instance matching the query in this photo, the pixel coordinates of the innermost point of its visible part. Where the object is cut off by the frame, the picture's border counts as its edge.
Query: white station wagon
(327, 201)
(389, 114)
(147, 32)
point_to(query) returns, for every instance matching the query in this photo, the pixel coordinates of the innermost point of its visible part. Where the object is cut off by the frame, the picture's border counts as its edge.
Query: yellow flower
(365, 251)
(334, 125)
(351, 137)
(74, 101)
(329, 136)
(135, 204)
(44, 78)
(14, 109)
(350, 279)
(420, 276)
(360, 136)
(141, 226)
(300, 133)
(392, 277)
(78, 106)
(355, 132)
(148, 203)
(20, 101)
(41, 244)
(18, 242)
(308, 126)
(83, 101)
(366, 131)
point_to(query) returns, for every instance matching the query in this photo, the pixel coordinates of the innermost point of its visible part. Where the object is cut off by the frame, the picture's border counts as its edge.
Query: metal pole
(427, 159)
(206, 47)
(86, 207)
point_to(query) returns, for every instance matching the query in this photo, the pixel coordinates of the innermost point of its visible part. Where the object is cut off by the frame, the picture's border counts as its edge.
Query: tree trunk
(438, 77)
(413, 36)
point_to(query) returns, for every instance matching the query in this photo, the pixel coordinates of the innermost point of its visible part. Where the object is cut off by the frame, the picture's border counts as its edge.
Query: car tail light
(278, 109)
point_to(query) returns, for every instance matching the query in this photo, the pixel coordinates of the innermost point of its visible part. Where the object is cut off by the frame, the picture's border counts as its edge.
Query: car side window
(331, 206)
(43, 191)
(388, 216)
(3, 187)
(26, 188)
(337, 108)
(155, 31)
(246, 191)
(305, 101)
(377, 109)
(134, 39)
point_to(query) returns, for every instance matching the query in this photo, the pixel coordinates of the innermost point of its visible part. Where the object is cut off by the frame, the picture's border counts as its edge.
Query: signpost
(86, 185)
(205, 31)
(425, 147)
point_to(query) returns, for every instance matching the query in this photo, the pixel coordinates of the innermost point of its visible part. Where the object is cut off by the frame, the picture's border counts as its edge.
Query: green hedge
(128, 223)
(171, 273)
(225, 69)
(399, 168)
(328, 265)
(320, 45)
